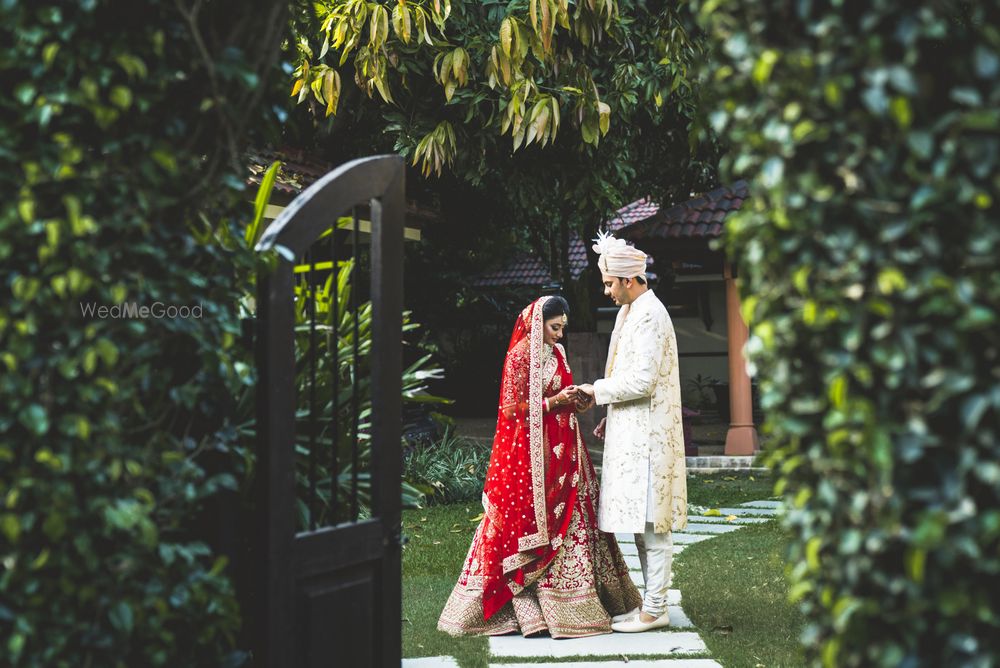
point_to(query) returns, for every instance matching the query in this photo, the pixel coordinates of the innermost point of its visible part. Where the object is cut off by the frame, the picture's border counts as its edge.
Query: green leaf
(121, 97)
(261, 200)
(35, 418)
(764, 66)
(121, 617)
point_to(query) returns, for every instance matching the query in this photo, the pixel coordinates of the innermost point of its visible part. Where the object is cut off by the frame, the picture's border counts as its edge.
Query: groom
(643, 477)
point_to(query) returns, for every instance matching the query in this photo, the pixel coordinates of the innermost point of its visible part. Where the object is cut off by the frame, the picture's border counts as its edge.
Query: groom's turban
(617, 258)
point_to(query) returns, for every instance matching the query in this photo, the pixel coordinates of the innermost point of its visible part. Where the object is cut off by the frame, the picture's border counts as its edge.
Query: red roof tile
(697, 218)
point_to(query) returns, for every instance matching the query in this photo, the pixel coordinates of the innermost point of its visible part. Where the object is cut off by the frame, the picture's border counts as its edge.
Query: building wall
(703, 351)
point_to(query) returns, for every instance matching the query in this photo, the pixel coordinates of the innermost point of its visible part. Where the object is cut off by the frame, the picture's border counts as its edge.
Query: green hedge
(120, 132)
(868, 268)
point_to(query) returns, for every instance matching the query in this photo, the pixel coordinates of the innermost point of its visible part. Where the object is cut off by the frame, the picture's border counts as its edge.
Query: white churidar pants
(656, 558)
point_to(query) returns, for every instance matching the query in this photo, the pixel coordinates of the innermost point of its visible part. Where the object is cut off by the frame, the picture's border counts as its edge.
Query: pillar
(741, 439)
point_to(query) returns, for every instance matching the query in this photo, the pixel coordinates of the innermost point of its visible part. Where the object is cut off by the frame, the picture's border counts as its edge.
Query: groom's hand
(584, 397)
(599, 431)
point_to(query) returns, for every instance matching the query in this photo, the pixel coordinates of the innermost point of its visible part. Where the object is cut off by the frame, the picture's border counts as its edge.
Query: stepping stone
(625, 538)
(654, 663)
(688, 538)
(767, 512)
(432, 662)
(709, 527)
(664, 642)
(678, 620)
(628, 549)
(678, 549)
(632, 560)
(762, 504)
(712, 519)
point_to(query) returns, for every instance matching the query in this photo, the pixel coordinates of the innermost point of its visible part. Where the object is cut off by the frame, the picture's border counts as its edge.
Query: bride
(537, 561)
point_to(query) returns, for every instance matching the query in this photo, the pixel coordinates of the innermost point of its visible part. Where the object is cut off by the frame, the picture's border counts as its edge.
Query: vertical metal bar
(313, 450)
(275, 352)
(387, 461)
(335, 380)
(355, 407)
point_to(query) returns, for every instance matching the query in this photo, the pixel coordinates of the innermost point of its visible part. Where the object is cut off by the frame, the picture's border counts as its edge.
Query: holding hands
(585, 397)
(567, 395)
(581, 395)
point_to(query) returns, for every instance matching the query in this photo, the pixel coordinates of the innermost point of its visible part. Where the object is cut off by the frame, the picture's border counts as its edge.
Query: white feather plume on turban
(617, 258)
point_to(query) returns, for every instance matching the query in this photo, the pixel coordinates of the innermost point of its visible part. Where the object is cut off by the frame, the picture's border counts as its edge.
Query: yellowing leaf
(547, 25)
(605, 115)
(730, 518)
(713, 512)
(505, 36)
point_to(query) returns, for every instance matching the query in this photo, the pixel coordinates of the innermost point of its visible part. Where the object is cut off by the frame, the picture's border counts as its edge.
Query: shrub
(868, 272)
(120, 131)
(450, 471)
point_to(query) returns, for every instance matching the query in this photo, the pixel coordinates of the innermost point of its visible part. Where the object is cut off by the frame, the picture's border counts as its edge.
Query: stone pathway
(678, 646)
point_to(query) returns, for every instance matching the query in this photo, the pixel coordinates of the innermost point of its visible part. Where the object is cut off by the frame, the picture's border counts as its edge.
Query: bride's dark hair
(553, 307)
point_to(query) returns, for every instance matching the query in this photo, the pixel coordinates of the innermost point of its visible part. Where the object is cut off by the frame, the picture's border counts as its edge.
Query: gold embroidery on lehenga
(586, 580)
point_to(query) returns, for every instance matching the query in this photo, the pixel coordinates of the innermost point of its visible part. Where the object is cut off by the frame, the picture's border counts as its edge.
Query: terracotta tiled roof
(631, 213)
(298, 169)
(532, 270)
(698, 218)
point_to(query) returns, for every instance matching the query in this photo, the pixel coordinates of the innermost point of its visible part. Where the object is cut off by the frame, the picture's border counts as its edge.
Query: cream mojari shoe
(636, 625)
(625, 616)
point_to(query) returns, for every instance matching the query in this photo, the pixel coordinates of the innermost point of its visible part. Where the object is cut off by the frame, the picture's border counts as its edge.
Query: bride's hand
(565, 397)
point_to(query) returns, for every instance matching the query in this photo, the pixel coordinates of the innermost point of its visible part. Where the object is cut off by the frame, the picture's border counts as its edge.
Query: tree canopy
(562, 109)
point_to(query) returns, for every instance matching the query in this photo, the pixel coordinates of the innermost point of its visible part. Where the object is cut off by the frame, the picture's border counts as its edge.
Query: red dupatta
(531, 481)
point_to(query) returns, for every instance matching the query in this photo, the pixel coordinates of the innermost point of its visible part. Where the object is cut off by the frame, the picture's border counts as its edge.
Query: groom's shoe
(625, 616)
(636, 625)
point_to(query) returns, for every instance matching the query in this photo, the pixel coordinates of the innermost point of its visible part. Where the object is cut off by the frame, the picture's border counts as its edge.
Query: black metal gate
(328, 478)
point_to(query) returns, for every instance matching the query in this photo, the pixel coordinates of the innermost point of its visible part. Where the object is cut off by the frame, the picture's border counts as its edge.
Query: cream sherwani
(643, 476)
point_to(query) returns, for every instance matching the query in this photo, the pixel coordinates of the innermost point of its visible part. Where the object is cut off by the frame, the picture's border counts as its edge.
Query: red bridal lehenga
(538, 561)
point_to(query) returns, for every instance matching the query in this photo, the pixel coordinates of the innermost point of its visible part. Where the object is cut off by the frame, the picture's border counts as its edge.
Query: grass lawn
(717, 490)
(439, 538)
(735, 592)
